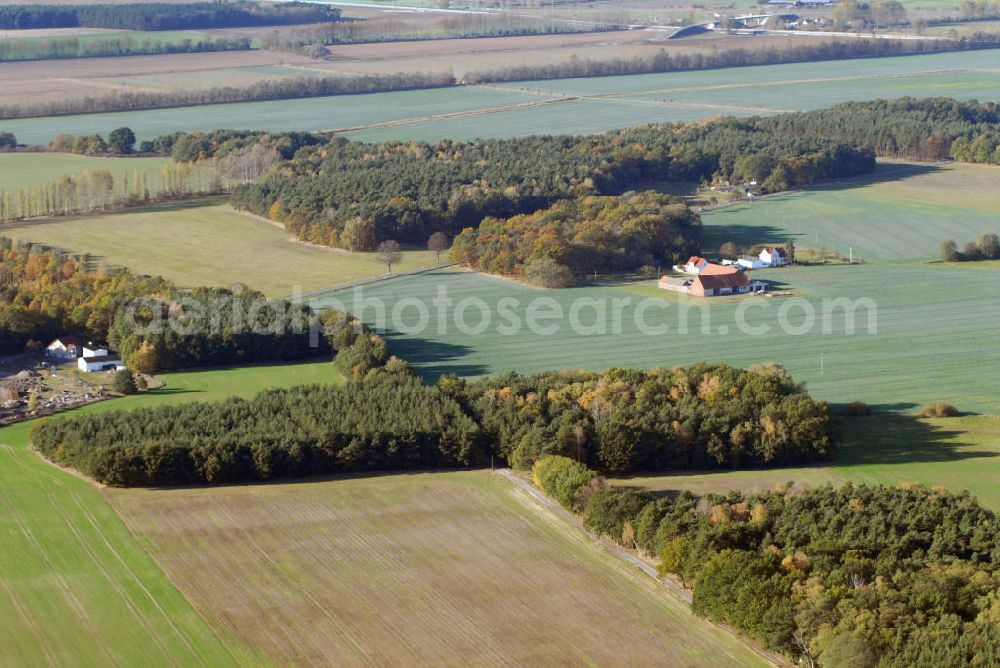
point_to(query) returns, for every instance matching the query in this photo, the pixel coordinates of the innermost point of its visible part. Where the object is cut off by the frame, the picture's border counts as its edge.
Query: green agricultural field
(902, 212)
(422, 569)
(321, 113)
(569, 105)
(209, 244)
(956, 453)
(26, 170)
(602, 103)
(69, 563)
(936, 329)
(77, 588)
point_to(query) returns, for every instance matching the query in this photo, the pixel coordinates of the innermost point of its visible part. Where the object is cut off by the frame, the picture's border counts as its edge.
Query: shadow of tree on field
(432, 359)
(717, 231)
(887, 437)
(894, 172)
(898, 438)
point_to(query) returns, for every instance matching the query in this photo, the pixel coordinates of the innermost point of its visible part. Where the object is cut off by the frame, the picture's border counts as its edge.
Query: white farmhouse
(63, 348)
(769, 257)
(774, 257)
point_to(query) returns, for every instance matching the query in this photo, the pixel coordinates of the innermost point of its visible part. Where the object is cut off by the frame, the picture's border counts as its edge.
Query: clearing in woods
(210, 244)
(567, 106)
(414, 569)
(69, 561)
(27, 170)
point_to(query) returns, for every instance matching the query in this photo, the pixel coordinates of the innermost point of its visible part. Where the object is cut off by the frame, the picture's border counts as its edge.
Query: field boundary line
(368, 281)
(134, 576)
(455, 114)
(547, 504)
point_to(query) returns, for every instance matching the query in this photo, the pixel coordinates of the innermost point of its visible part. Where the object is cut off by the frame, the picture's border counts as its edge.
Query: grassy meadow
(70, 563)
(27, 170)
(446, 568)
(567, 105)
(208, 243)
(902, 212)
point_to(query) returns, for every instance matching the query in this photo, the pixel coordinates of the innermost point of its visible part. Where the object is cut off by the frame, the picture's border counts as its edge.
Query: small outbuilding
(106, 362)
(98, 358)
(769, 257)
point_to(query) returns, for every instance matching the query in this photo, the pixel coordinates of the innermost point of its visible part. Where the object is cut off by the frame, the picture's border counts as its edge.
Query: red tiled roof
(777, 249)
(734, 279)
(712, 269)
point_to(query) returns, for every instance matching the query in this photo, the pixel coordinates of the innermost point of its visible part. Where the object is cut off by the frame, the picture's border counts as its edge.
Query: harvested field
(418, 569)
(464, 55)
(43, 80)
(53, 32)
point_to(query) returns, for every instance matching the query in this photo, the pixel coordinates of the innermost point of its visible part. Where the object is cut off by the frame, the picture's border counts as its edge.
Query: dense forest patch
(621, 420)
(855, 576)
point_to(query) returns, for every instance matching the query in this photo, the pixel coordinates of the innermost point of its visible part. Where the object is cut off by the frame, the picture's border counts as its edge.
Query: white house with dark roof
(94, 358)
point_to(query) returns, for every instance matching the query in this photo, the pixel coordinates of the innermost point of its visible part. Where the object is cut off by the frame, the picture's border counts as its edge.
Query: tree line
(698, 417)
(354, 195)
(175, 329)
(311, 40)
(270, 89)
(858, 576)
(164, 15)
(664, 61)
(554, 246)
(914, 128)
(100, 190)
(619, 420)
(12, 50)
(986, 247)
(204, 164)
(386, 422)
